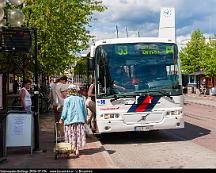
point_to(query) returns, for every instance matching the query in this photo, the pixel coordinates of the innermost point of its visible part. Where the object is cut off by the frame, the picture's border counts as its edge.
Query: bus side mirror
(91, 63)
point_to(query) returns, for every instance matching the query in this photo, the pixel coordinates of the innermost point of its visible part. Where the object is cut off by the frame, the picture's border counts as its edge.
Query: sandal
(76, 153)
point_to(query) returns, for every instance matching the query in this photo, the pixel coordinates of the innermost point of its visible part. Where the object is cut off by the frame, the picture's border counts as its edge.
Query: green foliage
(81, 67)
(210, 59)
(199, 55)
(192, 56)
(61, 27)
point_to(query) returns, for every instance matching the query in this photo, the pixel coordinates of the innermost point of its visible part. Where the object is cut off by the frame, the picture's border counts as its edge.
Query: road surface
(191, 147)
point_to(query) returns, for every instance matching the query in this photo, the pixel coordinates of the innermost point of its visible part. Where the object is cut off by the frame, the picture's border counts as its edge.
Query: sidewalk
(93, 156)
(207, 100)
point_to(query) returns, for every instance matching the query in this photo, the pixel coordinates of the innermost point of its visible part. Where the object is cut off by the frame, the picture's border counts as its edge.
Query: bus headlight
(176, 112)
(110, 116)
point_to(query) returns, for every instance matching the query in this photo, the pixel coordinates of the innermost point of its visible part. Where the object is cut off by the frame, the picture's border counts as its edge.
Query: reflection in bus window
(136, 71)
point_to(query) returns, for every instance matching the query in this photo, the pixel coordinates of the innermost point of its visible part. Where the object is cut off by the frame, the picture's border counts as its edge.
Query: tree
(210, 59)
(193, 55)
(199, 55)
(80, 68)
(61, 27)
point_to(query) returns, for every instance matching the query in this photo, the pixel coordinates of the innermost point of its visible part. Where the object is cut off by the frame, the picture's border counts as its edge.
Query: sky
(142, 17)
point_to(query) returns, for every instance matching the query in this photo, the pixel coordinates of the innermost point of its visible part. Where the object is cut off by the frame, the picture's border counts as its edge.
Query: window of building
(192, 79)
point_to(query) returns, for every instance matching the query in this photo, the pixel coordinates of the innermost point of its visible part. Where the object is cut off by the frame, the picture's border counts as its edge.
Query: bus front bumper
(109, 126)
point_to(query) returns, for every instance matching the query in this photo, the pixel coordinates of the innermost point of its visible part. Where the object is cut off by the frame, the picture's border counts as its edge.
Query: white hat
(72, 87)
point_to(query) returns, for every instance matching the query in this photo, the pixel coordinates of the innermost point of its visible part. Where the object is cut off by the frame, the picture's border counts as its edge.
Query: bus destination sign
(145, 49)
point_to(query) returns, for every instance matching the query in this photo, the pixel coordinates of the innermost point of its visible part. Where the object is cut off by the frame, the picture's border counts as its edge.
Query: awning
(197, 73)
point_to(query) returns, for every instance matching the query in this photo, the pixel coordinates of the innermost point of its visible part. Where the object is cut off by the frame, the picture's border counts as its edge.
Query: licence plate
(144, 128)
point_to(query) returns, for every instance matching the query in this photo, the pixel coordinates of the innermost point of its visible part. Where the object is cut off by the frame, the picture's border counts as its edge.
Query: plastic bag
(213, 91)
(87, 129)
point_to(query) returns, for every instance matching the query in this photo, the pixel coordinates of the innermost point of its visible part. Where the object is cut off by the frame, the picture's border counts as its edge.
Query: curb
(105, 153)
(200, 104)
(199, 101)
(207, 97)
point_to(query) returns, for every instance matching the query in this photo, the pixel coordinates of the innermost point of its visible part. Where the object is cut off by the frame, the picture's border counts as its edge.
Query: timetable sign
(15, 40)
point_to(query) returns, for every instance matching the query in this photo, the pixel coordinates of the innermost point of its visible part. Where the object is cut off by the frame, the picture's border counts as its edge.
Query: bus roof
(133, 40)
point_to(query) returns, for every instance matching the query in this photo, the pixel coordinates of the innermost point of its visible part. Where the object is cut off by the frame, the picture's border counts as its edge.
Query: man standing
(53, 98)
(204, 87)
(91, 105)
(59, 91)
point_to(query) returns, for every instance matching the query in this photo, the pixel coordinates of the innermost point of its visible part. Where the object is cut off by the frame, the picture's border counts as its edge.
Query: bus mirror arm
(91, 63)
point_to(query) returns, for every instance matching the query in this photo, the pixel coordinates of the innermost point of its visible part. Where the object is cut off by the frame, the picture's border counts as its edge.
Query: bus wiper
(118, 96)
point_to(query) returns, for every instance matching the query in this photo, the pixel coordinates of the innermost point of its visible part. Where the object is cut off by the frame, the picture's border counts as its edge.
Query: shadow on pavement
(191, 131)
(188, 133)
(91, 151)
(111, 151)
(133, 137)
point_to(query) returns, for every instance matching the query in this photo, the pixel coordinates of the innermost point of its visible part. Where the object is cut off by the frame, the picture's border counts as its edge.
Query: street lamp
(11, 17)
(16, 2)
(2, 13)
(15, 18)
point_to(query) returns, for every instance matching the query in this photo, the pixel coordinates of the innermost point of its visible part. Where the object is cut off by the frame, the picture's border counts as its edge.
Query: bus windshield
(132, 68)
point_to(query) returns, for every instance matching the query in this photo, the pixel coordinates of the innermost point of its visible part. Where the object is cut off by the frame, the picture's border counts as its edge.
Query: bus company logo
(101, 102)
(143, 118)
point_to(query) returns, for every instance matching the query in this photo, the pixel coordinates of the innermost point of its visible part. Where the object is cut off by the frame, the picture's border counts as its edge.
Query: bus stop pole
(36, 96)
(3, 113)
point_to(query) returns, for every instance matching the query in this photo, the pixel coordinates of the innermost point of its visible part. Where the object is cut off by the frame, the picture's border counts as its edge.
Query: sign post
(2, 117)
(36, 96)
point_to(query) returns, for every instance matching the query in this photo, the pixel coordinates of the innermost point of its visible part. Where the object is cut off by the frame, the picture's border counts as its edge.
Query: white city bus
(138, 85)
(138, 82)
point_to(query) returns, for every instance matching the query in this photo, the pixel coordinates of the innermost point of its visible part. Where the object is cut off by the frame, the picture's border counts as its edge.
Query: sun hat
(72, 87)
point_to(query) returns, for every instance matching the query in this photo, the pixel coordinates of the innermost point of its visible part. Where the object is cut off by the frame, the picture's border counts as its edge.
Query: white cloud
(143, 16)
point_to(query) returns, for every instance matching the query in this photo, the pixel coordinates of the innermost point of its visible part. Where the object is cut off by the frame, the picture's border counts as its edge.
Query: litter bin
(2, 137)
(193, 90)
